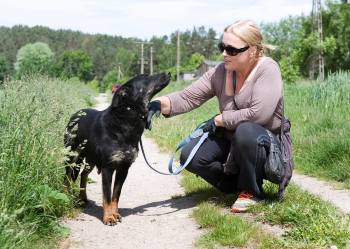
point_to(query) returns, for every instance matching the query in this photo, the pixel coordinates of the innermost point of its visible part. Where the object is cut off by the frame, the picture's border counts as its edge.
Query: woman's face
(239, 61)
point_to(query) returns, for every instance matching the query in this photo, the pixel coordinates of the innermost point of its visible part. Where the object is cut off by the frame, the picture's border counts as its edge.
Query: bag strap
(234, 83)
(282, 124)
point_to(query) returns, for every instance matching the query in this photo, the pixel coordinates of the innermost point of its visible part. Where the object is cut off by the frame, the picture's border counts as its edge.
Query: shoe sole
(238, 210)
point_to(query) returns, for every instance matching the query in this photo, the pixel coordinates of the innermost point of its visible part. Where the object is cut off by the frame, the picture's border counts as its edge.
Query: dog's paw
(112, 219)
(118, 217)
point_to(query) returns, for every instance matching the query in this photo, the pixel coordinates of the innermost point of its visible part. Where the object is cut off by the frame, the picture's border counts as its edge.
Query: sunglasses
(232, 51)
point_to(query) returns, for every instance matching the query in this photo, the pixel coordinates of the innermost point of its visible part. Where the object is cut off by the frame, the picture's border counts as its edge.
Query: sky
(144, 19)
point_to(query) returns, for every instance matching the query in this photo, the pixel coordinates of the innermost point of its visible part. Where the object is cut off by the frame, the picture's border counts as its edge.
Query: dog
(109, 139)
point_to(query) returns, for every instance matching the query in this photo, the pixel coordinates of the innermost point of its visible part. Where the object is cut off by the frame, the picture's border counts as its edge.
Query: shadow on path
(173, 205)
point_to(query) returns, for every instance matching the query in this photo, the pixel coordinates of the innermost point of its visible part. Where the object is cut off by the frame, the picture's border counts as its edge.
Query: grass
(320, 130)
(33, 115)
(321, 127)
(308, 221)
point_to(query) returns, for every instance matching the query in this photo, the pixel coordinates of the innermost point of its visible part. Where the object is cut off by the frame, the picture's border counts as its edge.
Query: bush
(34, 58)
(289, 70)
(75, 64)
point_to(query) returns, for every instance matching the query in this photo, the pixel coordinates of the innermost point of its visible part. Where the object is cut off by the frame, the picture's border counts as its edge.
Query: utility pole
(120, 74)
(178, 57)
(142, 57)
(318, 60)
(151, 61)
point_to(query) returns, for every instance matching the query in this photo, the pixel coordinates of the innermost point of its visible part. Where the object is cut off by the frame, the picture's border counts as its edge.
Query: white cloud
(144, 18)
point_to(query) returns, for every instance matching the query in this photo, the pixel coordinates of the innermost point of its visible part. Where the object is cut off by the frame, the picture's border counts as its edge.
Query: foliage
(36, 58)
(75, 64)
(335, 19)
(33, 115)
(4, 69)
(108, 52)
(289, 70)
(193, 63)
(94, 84)
(110, 78)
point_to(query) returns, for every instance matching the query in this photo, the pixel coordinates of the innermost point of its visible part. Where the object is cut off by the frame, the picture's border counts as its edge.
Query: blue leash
(198, 132)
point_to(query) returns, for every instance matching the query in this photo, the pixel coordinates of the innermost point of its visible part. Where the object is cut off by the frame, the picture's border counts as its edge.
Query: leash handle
(189, 158)
(198, 132)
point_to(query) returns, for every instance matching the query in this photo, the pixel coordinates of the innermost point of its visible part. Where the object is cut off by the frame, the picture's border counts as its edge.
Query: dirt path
(338, 197)
(151, 218)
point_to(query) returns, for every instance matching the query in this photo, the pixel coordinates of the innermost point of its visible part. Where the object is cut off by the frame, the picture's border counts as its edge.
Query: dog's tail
(72, 129)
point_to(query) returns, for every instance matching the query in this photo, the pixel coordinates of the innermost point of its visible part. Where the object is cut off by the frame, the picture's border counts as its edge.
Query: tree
(75, 64)
(4, 69)
(108, 80)
(36, 58)
(336, 19)
(193, 63)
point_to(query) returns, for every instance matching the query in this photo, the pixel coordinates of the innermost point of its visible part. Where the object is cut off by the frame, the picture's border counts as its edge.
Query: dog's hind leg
(118, 184)
(72, 173)
(83, 181)
(108, 218)
(72, 162)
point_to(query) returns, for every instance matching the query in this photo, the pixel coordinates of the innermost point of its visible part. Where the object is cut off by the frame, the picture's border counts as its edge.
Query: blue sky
(143, 19)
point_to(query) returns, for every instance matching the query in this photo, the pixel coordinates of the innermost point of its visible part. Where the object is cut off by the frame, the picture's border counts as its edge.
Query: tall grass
(33, 114)
(321, 126)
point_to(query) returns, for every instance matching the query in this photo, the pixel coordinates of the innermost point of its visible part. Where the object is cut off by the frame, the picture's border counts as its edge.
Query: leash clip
(196, 133)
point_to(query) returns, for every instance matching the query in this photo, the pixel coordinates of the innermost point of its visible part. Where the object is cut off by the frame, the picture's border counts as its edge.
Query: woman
(248, 86)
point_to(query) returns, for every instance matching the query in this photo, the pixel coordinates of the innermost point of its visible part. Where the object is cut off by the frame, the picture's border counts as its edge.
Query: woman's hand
(156, 107)
(218, 121)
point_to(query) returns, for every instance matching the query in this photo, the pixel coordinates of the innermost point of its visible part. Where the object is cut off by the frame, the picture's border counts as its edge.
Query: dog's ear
(118, 96)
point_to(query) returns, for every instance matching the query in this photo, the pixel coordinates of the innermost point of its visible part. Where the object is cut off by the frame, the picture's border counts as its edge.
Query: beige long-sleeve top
(259, 100)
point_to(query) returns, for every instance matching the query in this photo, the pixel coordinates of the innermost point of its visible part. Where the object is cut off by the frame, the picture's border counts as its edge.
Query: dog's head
(139, 90)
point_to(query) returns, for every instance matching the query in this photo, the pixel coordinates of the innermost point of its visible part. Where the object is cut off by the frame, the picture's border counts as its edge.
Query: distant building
(205, 66)
(187, 76)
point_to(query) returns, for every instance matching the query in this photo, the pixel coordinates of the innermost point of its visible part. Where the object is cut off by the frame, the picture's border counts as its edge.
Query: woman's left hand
(218, 121)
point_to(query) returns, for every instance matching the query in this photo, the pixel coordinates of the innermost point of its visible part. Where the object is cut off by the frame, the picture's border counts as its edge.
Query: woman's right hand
(154, 107)
(157, 106)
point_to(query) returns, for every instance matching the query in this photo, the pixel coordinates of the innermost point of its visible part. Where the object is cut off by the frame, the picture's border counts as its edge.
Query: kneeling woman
(248, 86)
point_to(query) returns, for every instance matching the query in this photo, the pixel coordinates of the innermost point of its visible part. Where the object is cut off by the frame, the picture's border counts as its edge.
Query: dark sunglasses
(232, 51)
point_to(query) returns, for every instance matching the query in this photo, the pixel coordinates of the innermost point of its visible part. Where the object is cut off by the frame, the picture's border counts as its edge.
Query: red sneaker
(243, 202)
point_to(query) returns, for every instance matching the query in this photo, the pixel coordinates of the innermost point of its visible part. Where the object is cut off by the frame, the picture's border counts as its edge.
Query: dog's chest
(124, 155)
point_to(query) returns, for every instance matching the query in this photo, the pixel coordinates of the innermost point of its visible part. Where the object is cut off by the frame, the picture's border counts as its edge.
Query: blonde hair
(248, 31)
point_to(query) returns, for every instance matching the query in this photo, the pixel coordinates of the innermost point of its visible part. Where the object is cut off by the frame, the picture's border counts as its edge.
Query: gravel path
(151, 217)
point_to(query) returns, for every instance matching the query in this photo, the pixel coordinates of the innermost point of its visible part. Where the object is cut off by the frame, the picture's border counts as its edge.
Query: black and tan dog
(109, 139)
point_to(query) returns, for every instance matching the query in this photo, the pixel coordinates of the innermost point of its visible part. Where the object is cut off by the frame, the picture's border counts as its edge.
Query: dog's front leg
(118, 184)
(108, 218)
